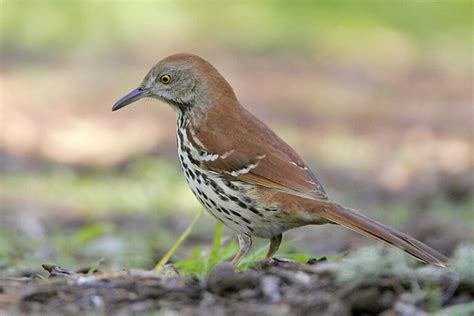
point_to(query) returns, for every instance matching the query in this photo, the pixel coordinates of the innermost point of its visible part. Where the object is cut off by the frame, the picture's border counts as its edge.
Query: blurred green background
(375, 95)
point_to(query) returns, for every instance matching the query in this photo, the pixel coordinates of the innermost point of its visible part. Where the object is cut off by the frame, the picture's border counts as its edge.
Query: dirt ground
(278, 287)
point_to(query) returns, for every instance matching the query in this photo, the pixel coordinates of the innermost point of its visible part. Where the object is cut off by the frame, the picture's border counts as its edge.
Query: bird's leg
(245, 242)
(275, 242)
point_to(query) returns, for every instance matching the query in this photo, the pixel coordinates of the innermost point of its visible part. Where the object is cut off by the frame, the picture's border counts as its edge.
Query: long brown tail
(368, 227)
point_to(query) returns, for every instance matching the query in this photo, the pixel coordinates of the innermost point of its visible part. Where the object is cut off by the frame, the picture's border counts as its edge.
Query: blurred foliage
(81, 248)
(369, 265)
(137, 188)
(463, 262)
(264, 26)
(457, 310)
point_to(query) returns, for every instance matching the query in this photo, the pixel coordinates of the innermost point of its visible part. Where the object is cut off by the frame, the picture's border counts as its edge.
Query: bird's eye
(165, 79)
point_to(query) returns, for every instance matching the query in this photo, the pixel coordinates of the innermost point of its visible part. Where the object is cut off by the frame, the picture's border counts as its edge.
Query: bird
(241, 171)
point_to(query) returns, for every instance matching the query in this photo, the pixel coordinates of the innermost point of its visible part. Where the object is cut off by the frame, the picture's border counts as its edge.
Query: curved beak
(133, 96)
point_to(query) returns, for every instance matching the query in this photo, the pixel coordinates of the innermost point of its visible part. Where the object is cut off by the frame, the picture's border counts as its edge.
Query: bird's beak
(133, 96)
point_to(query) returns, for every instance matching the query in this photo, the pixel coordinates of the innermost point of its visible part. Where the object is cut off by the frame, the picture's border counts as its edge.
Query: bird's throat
(181, 107)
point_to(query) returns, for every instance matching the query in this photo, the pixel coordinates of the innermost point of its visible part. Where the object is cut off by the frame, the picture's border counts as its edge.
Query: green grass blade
(215, 254)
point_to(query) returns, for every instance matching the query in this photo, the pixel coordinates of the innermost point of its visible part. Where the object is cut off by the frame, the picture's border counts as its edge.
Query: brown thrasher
(241, 171)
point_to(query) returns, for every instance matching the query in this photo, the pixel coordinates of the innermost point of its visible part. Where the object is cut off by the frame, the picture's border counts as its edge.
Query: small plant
(199, 263)
(463, 262)
(369, 263)
(95, 267)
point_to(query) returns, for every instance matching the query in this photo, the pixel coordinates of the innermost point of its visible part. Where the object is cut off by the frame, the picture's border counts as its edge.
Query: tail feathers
(368, 227)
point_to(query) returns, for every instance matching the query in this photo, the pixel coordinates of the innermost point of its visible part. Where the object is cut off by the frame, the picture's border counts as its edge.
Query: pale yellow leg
(178, 242)
(274, 245)
(245, 242)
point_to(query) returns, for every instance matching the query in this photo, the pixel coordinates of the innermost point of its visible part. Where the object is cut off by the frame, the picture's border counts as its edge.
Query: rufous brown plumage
(241, 171)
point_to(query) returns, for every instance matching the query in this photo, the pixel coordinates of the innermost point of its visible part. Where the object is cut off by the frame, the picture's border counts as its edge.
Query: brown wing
(252, 153)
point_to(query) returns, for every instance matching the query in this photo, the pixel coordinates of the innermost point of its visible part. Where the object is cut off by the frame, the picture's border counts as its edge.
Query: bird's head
(186, 82)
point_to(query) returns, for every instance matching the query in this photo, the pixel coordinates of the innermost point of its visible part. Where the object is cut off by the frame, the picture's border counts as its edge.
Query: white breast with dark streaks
(229, 201)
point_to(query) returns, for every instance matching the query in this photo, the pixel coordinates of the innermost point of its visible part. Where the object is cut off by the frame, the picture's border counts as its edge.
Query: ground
(277, 287)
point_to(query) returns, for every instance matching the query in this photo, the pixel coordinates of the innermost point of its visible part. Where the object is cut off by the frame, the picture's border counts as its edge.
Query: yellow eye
(165, 79)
